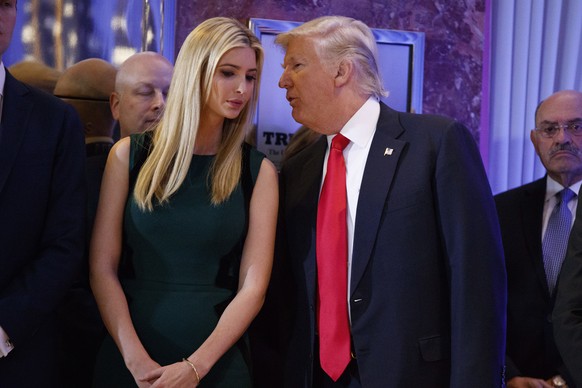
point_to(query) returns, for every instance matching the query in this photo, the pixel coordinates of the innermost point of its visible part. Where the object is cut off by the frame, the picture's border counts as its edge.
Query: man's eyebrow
(576, 119)
(292, 59)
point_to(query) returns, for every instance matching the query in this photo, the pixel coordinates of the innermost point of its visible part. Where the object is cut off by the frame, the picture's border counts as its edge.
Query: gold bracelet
(194, 369)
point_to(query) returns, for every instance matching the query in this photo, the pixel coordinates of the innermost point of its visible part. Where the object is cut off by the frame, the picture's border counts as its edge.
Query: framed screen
(401, 58)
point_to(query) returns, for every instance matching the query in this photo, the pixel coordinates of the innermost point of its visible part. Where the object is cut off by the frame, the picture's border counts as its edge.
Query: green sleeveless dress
(184, 259)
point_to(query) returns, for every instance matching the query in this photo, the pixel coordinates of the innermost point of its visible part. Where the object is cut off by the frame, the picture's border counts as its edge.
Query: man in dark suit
(42, 222)
(87, 86)
(424, 302)
(567, 314)
(524, 214)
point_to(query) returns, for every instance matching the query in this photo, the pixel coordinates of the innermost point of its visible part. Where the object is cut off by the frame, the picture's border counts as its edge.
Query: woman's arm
(255, 271)
(105, 253)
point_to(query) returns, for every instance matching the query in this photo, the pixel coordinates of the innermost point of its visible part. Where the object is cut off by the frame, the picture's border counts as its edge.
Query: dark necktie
(332, 263)
(555, 240)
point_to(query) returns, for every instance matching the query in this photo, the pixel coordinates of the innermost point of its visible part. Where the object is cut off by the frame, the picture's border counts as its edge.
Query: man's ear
(534, 140)
(114, 105)
(343, 73)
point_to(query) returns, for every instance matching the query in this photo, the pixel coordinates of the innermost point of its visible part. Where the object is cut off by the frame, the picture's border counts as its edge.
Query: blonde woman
(197, 226)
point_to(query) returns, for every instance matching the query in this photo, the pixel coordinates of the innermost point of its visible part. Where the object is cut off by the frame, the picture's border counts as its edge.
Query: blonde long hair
(173, 139)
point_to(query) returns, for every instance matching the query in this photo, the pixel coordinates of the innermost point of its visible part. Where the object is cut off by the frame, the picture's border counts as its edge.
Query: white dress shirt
(553, 188)
(2, 81)
(360, 130)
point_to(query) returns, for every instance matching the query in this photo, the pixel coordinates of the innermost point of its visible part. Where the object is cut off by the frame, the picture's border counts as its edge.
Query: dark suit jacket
(531, 349)
(428, 280)
(567, 313)
(42, 226)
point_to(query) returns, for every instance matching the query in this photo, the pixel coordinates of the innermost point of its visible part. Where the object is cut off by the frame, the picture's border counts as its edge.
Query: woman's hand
(527, 382)
(179, 374)
(142, 371)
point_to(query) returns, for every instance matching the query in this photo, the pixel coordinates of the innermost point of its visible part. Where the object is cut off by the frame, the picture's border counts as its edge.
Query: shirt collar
(553, 187)
(361, 126)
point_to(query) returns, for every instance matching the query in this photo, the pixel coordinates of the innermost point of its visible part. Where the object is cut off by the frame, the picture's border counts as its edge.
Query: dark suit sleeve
(508, 220)
(474, 252)
(35, 292)
(567, 315)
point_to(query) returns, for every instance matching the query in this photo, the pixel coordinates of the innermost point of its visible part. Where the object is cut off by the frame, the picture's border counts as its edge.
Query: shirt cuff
(5, 344)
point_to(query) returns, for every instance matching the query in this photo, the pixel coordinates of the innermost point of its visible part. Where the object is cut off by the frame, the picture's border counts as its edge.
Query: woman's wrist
(194, 369)
(134, 362)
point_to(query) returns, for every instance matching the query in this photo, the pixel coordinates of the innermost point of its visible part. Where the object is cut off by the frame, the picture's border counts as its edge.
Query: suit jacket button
(549, 318)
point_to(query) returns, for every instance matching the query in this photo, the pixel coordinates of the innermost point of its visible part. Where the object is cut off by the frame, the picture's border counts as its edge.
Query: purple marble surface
(453, 31)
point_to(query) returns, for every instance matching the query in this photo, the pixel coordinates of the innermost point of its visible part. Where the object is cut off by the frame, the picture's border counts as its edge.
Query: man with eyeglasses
(568, 306)
(535, 220)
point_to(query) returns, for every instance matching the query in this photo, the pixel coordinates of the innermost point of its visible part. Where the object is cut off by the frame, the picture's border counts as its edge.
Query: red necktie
(332, 264)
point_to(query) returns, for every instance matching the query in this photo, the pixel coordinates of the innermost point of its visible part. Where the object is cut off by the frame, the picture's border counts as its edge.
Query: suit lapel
(15, 113)
(381, 165)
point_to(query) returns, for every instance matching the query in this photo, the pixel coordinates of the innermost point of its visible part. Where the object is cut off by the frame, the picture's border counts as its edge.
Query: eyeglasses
(549, 131)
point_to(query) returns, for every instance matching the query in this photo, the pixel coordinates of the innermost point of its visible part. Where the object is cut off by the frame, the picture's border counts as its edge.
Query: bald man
(87, 86)
(526, 214)
(141, 87)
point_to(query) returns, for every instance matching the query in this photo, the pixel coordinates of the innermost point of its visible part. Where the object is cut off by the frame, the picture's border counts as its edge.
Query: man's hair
(339, 38)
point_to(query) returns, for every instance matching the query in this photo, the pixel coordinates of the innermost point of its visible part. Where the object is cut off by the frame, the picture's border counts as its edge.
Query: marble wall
(454, 38)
